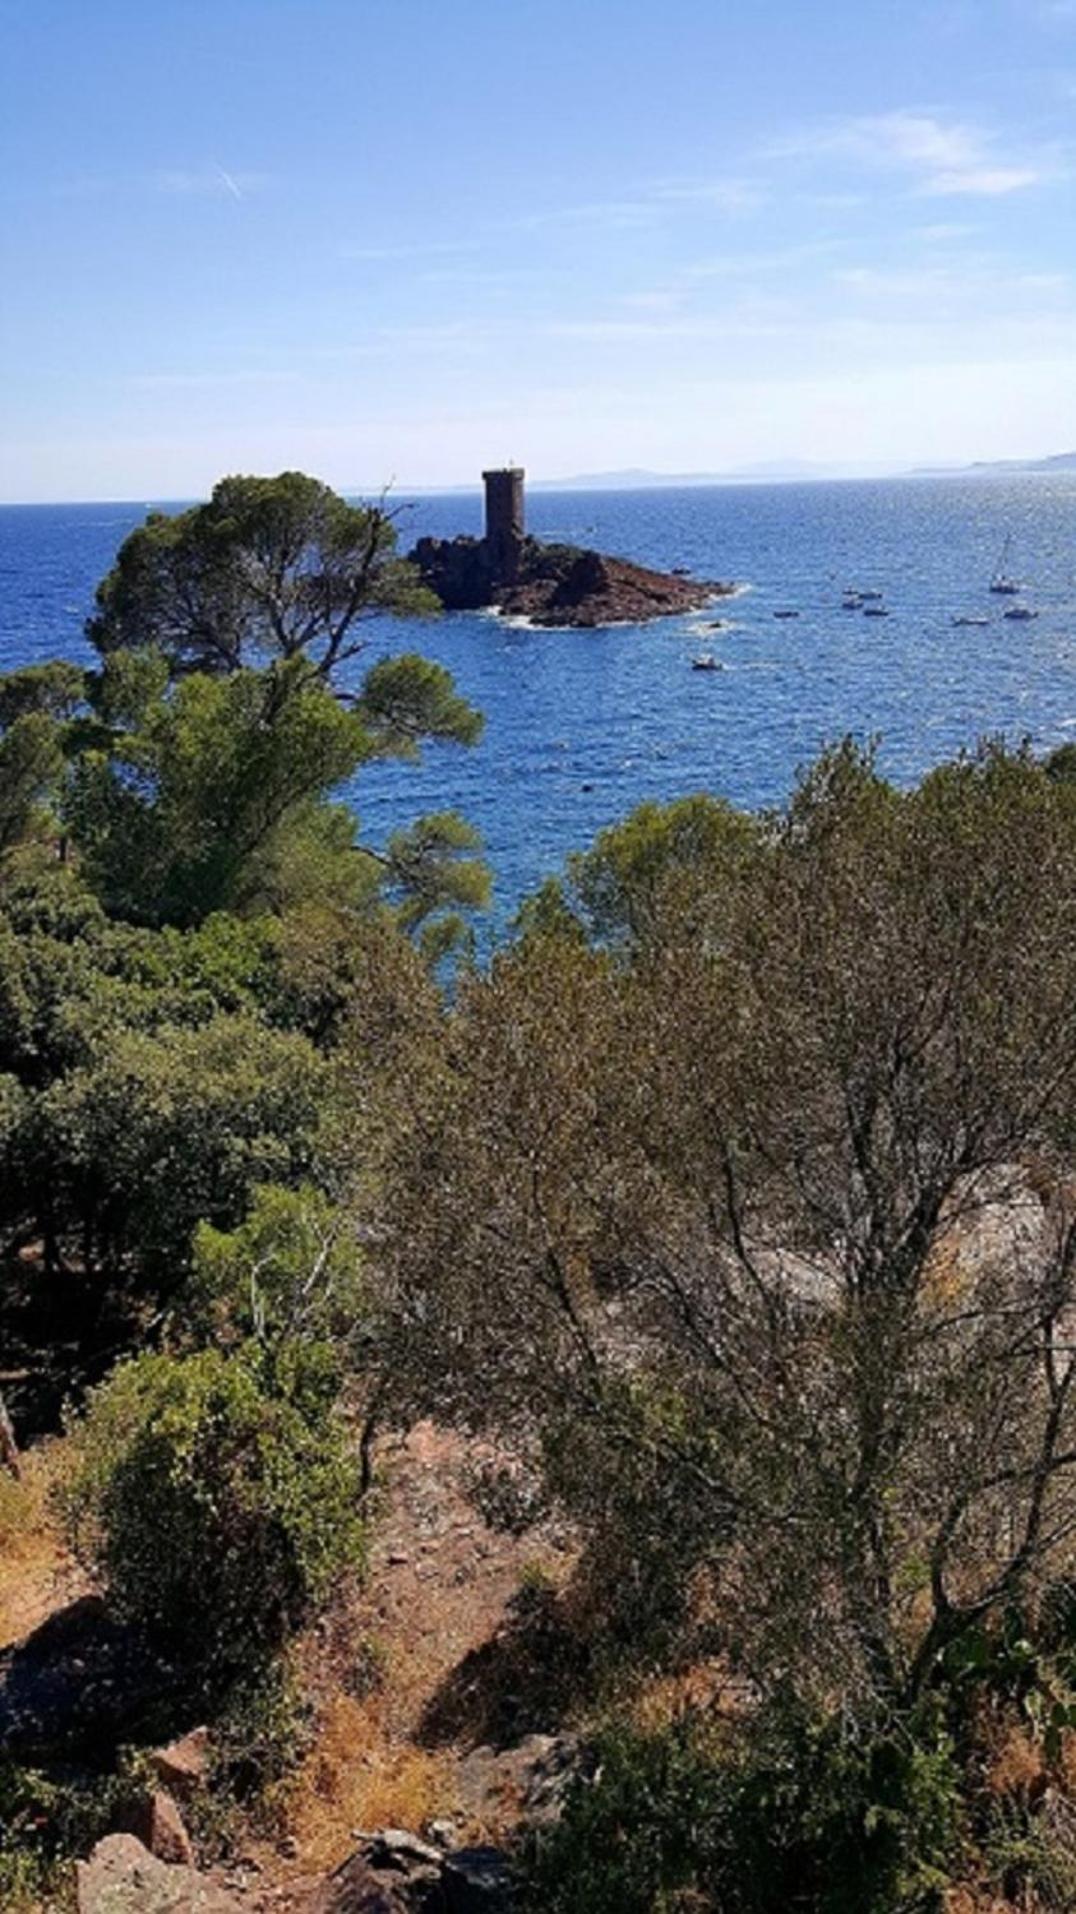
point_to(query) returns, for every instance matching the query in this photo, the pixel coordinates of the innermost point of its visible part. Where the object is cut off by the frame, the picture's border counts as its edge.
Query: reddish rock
(557, 585)
(183, 1766)
(159, 1826)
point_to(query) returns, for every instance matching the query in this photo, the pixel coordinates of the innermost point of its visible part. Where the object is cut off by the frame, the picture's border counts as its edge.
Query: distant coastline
(792, 472)
(633, 479)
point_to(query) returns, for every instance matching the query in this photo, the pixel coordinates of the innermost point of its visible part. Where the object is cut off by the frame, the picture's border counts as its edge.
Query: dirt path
(440, 1589)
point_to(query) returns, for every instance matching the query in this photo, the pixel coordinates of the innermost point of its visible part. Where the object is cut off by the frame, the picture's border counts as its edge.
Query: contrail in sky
(228, 181)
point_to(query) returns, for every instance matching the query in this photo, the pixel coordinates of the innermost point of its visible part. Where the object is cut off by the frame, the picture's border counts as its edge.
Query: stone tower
(504, 520)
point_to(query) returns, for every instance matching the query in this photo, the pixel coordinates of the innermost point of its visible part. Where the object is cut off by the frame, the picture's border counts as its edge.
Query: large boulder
(123, 1877)
(527, 1782)
(394, 1872)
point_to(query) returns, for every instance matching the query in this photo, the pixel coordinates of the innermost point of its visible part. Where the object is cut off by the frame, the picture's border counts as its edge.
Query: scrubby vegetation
(731, 1203)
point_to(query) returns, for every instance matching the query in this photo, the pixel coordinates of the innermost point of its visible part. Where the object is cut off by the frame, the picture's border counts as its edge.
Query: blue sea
(581, 725)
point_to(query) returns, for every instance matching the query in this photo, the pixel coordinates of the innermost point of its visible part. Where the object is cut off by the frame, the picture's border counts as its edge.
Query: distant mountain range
(772, 472)
(1058, 462)
(785, 471)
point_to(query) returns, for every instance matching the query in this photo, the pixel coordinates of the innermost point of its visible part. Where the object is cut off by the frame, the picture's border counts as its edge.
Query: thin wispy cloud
(227, 180)
(210, 182)
(939, 158)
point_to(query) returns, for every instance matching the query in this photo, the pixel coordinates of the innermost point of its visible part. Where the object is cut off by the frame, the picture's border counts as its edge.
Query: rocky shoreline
(557, 585)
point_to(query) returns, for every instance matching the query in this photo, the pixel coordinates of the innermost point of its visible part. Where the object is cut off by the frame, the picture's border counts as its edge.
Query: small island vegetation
(727, 1214)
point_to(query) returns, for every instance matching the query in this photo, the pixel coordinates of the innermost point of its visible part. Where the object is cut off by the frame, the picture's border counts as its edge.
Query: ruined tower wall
(504, 519)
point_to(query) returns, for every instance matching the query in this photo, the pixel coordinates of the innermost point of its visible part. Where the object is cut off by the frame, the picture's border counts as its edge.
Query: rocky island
(548, 584)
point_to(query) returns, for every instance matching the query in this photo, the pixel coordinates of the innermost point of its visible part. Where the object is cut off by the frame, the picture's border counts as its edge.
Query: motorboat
(705, 661)
(789, 612)
(1021, 612)
(870, 597)
(970, 618)
(876, 611)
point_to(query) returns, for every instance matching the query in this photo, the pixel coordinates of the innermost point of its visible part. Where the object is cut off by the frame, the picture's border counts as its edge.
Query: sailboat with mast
(1003, 581)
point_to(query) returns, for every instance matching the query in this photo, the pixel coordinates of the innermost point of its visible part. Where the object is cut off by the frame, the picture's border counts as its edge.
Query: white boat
(852, 601)
(705, 661)
(970, 618)
(870, 597)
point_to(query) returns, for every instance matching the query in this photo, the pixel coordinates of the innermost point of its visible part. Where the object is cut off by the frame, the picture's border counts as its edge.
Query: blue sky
(402, 240)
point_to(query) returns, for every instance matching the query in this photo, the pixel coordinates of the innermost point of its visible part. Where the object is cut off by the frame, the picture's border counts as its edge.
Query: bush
(798, 1815)
(217, 1514)
(44, 1823)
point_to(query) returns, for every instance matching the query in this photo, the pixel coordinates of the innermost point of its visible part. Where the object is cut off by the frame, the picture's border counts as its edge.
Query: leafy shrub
(799, 1815)
(217, 1514)
(262, 1732)
(44, 1822)
(1031, 1856)
(290, 1269)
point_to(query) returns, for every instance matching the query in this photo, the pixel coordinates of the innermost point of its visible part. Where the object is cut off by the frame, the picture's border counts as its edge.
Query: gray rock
(531, 1777)
(122, 1877)
(477, 1881)
(397, 1847)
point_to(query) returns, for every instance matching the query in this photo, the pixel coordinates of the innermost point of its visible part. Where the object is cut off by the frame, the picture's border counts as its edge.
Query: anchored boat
(1003, 581)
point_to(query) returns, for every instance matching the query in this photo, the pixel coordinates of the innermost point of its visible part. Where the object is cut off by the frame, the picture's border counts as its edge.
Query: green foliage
(291, 1269)
(409, 698)
(262, 1731)
(425, 869)
(217, 1514)
(640, 869)
(55, 690)
(189, 810)
(30, 762)
(193, 773)
(268, 569)
(151, 1079)
(213, 794)
(1030, 1857)
(159, 1131)
(1061, 764)
(793, 1814)
(686, 1217)
(45, 1822)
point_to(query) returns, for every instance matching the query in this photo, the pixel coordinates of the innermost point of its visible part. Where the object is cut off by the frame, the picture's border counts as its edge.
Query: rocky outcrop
(557, 585)
(391, 1872)
(122, 1877)
(394, 1872)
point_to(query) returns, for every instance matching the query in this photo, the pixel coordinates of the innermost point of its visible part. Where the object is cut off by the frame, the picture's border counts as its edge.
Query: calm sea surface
(582, 725)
